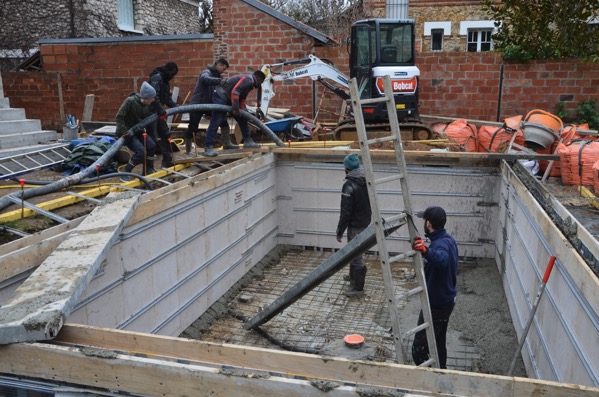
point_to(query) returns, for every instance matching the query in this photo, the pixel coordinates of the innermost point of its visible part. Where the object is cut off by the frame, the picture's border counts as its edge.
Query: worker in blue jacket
(440, 270)
(234, 93)
(207, 82)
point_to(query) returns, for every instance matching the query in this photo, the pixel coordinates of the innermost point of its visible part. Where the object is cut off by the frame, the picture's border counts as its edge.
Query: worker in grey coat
(355, 216)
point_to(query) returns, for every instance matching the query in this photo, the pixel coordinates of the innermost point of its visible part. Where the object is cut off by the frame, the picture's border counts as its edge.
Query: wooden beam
(28, 257)
(166, 350)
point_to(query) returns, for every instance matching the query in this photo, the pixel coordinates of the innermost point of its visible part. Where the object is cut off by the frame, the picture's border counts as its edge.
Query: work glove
(418, 245)
(260, 114)
(235, 111)
(162, 115)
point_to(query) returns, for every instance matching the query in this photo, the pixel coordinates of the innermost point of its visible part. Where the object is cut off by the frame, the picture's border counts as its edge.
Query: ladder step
(400, 257)
(389, 178)
(382, 139)
(373, 100)
(411, 292)
(422, 326)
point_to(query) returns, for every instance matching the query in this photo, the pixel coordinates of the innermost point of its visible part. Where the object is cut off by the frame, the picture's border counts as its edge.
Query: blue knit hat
(147, 91)
(351, 161)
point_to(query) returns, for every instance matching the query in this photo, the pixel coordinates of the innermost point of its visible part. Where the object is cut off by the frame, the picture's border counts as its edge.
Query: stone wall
(453, 14)
(23, 23)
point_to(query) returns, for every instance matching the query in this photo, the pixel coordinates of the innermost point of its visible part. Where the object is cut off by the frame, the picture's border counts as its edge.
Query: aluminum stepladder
(399, 338)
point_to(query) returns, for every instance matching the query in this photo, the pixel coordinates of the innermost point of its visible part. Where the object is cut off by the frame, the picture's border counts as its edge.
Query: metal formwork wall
(184, 248)
(563, 341)
(309, 195)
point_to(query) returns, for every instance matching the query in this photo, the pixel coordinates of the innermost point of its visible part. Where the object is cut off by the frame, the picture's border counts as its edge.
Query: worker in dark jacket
(440, 270)
(355, 216)
(234, 93)
(207, 82)
(134, 109)
(160, 79)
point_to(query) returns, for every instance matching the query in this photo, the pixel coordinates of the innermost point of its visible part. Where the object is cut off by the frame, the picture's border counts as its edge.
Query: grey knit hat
(147, 91)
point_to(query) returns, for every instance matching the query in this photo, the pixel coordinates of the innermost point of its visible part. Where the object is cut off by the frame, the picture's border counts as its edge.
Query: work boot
(128, 168)
(225, 138)
(248, 143)
(188, 146)
(209, 151)
(350, 277)
(357, 290)
(149, 166)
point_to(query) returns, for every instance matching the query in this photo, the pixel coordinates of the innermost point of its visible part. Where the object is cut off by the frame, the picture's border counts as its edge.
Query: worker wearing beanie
(134, 109)
(355, 216)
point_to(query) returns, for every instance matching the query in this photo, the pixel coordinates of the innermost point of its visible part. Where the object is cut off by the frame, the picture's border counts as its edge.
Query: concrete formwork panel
(197, 239)
(563, 341)
(309, 196)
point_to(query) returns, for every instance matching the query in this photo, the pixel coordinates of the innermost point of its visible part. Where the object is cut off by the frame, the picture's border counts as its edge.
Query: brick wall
(249, 38)
(23, 23)
(110, 71)
(467, 85)
(452, 84)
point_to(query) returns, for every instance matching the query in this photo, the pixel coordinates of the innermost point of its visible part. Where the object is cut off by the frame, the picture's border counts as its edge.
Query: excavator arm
(314, 68)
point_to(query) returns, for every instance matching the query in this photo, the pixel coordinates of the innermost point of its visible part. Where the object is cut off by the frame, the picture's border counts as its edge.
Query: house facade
(23, 23)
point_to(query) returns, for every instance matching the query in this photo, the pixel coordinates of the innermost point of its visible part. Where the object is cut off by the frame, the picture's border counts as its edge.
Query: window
(437, 40)
(479, 40)
(125, 15)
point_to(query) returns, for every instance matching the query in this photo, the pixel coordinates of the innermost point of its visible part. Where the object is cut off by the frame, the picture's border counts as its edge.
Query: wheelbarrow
(284, 128)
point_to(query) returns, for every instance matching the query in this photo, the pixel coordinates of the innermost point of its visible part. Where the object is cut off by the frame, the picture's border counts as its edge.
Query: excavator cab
(385, 47)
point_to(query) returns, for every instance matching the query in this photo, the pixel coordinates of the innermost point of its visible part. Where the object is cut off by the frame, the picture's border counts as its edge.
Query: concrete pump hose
(106, 157)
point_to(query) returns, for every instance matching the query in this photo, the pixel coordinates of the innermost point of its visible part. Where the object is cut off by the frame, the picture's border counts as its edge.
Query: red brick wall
(453, 84)
(467, 85)
(249, 38)
(110, 71)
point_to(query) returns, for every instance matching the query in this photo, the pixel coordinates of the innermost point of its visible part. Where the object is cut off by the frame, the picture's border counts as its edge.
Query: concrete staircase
(18, 133)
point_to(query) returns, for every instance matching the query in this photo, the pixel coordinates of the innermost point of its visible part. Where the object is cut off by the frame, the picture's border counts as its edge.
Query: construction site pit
(480, 338)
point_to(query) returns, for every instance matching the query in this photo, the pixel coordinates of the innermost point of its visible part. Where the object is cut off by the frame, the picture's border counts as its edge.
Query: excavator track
(411, 130)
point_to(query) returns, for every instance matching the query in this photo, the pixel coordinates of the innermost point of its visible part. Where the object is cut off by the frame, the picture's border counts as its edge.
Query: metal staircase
(399, 338)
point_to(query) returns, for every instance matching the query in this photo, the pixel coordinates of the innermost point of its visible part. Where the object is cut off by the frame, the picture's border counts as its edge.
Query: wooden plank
(222, 155)
(587, 193)
(88, 107)
(150, 377)
(30, 256)
(478, 123)
(437, 382)
(41, 303)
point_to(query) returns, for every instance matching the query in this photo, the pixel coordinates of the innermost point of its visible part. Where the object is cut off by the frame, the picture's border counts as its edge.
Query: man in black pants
(160, 79)
(207, 82)
(440, 270)
(355, 215)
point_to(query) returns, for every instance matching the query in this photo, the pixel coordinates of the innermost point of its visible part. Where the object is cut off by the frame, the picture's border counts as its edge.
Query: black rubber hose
(110, 153)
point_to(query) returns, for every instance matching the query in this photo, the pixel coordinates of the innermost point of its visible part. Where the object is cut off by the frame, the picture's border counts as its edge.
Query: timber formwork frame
(153, 365)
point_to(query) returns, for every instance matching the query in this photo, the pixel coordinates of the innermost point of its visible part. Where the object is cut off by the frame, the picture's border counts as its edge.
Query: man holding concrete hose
(203, 93)
(234, 93)
(134, 109)
(440, 271)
